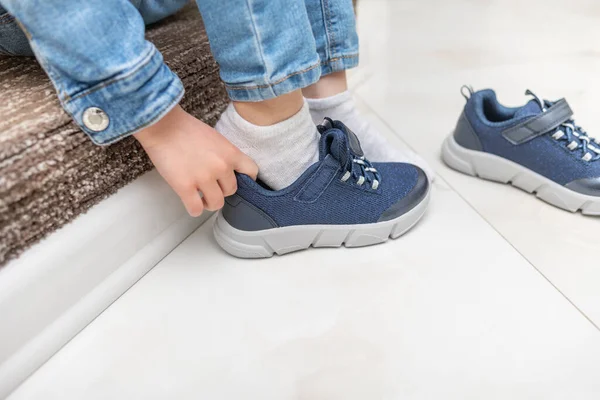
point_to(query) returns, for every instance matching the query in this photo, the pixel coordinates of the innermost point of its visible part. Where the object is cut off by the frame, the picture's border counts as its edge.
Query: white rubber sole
(265, 243)
(495, 168)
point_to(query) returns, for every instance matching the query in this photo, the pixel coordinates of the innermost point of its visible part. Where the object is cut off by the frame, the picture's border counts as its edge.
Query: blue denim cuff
(297, 80)
(340, 63)
(127, 102)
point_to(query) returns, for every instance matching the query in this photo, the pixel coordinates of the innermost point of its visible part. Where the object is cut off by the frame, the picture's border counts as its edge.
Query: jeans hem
(288, 84)
(338, 64)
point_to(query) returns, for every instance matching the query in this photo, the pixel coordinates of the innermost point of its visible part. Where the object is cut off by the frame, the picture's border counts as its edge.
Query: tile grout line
(525, 258)
(484, 218)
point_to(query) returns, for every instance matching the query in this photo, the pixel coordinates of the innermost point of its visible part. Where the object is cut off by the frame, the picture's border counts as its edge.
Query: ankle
(272, 111)
(327, 86)
(282, 151)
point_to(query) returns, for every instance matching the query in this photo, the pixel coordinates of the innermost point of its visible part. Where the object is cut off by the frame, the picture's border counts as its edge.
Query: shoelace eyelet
(577, 138)
(366, 167)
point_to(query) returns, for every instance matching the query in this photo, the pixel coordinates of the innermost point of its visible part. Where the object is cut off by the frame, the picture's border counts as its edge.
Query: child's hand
(193, 157)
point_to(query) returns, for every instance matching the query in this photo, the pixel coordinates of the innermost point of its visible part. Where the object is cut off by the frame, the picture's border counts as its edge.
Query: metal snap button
(95, 119)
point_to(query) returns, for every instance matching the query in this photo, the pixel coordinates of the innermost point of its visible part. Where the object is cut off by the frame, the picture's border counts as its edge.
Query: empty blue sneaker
(342, 199)
(537, 148)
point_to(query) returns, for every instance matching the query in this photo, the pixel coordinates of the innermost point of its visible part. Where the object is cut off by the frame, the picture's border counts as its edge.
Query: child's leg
(266, 53)
(334, 28)
(12, 39)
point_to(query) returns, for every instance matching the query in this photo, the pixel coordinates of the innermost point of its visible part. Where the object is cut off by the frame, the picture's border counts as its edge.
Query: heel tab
(242, 215)
(469, 91)
(465, 135)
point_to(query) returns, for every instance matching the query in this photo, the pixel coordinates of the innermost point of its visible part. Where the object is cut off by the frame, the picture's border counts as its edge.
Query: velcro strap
(558, 114)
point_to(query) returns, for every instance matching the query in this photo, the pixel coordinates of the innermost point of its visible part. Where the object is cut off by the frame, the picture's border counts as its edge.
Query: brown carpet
(50, 172)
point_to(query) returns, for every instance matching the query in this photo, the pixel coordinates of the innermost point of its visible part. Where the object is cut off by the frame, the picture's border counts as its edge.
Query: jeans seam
(328, 29)
(271, 84)
(328, 44)
(24, 29)
(145, 61)
(332, 60)
(258, 44)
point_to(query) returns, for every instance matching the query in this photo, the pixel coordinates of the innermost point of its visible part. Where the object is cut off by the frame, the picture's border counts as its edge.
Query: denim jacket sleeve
(110, 79)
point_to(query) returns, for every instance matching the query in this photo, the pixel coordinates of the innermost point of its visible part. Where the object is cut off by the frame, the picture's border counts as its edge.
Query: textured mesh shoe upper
(332, 192)
(543, 154)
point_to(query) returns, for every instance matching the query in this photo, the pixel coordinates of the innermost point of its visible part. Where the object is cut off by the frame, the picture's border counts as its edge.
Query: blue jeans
(266, 48)
(113, 87)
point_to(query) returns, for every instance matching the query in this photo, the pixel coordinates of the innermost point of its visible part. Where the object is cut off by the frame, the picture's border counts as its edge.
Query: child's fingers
(228, 184)
(192, 202)
(212, 195)
(245, 165)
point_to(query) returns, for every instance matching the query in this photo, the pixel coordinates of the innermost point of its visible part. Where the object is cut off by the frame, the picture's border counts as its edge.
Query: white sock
(374, 144)
(282, 151)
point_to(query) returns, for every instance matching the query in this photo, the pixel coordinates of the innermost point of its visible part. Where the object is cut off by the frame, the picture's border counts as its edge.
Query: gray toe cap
(587, 186)
(408, 202)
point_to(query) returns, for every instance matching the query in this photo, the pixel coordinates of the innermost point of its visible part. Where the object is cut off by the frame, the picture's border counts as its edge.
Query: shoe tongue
(530, 109)
(339, 141)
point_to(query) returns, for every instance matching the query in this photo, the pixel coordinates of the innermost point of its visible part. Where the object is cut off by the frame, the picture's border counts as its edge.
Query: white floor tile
(448, 311)
(509, 46)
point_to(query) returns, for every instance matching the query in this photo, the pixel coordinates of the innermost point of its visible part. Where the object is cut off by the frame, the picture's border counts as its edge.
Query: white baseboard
(61, 284)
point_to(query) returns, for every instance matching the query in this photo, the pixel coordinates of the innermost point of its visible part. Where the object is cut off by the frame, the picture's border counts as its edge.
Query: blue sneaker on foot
(342, 199)
(537, 148)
